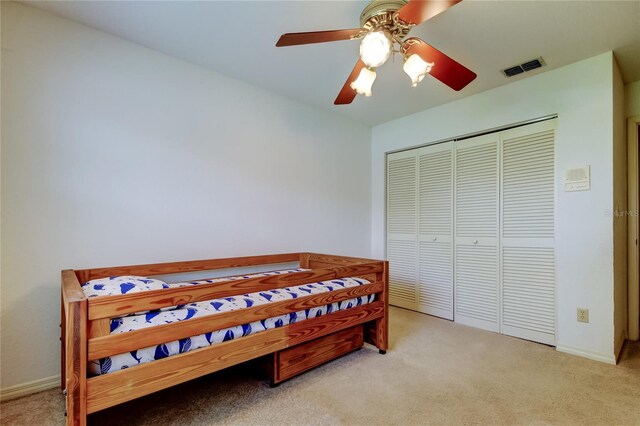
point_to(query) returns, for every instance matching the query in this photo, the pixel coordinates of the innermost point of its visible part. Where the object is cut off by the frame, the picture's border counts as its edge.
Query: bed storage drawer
(297, 359)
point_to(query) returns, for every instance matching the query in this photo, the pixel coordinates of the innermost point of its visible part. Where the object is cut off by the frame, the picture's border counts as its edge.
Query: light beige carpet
(436, 372)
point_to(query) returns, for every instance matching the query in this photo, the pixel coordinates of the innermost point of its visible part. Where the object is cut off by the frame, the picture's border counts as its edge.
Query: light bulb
(416, 68)
(375, 49)
(362, 84)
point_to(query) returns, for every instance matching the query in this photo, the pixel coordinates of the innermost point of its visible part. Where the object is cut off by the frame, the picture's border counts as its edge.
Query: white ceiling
(237, 38)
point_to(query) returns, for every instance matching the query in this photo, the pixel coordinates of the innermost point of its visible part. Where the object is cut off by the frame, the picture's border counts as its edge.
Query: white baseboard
(28, 388)
(596, 356)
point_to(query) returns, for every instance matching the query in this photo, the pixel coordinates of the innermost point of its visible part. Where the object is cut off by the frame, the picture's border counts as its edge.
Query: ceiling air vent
(532, 65)
(510, 72)
(527, 66)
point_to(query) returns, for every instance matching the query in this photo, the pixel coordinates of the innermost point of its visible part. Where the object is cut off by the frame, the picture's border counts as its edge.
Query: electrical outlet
(583, 315)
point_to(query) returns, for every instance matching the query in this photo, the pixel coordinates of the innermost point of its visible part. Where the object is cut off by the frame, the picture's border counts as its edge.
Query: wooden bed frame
(85, 325)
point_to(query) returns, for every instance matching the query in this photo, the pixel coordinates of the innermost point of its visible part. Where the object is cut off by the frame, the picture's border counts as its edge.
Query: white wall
(620, 205)
(632, 99)
(117, 154)
(581, 95)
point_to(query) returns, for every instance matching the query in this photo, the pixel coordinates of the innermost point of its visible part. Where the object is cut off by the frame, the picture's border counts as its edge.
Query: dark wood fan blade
(417, 11)
(293, 39)
(445, 69)
(347, 94)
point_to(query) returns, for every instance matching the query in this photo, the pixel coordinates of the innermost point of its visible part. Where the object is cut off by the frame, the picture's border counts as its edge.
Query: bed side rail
(186, 266)
(319, 260)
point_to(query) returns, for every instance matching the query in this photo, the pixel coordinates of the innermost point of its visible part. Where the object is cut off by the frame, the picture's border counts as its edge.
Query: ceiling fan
(385, 23)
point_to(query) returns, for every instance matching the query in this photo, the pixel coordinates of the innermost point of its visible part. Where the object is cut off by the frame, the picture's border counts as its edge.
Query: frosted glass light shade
(362, 84)
(375, 49)
(416, 69)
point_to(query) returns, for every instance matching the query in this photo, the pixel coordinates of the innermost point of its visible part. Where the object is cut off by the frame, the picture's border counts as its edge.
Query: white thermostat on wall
(577, 179)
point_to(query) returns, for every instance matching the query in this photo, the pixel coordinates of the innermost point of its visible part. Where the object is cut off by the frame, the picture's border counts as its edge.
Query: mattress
(142, 320)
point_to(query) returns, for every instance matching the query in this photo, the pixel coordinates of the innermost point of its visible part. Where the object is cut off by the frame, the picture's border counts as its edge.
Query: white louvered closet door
(476, 232)
(528, 198)
(402, 232)
(435, 228)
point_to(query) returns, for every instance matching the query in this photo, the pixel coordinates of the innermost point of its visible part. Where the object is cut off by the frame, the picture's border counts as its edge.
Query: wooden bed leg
(76, 363)
(377, 332)
(382, 324)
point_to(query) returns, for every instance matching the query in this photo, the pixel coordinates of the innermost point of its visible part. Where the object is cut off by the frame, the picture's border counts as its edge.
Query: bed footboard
(375, 332)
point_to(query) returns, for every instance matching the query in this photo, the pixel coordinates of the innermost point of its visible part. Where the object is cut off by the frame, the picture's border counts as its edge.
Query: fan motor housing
(379, 14)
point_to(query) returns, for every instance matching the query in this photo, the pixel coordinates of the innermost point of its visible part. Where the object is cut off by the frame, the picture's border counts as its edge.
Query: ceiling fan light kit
(362, 85)
(416, 68)
(375, 48)
(385, 24)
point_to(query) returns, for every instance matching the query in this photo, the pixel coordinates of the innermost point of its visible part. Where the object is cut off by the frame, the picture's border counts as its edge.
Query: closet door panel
(528, 184)
(401, 193)
(403, 260)
(528, 199)
(529, 293)
(476, 232)
(402, 229)
(435, 221)
(476, 286)
(436, 279)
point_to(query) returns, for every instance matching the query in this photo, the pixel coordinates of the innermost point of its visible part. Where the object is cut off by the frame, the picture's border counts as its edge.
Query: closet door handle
(475, 241)
(435, 238)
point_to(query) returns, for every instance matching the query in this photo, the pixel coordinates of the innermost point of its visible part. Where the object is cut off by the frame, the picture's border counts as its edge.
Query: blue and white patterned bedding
(120, 285)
